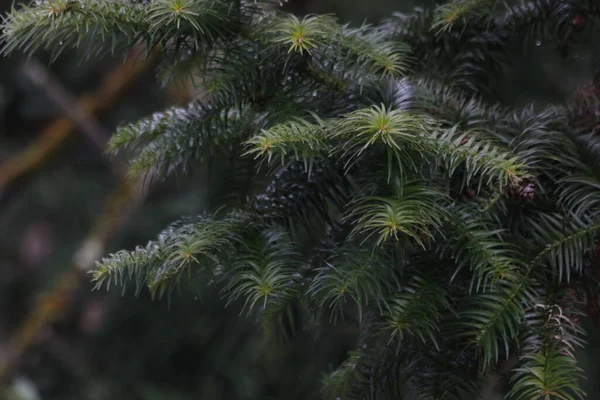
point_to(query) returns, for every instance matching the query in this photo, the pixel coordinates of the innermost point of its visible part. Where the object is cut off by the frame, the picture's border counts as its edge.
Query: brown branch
(118, 207)
(59, 130)
(52, 305)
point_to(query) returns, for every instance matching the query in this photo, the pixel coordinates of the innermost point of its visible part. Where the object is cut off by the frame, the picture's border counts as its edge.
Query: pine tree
(370, 174)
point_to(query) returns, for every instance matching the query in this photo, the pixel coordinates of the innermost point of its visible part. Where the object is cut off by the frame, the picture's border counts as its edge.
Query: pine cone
(585, 108)
(468, 194)
(470, 191)
(578, 21)
(465, 139)
(525, 190)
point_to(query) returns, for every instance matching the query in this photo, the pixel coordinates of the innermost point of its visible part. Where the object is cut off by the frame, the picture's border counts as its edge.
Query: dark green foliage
(163, 261)
(393, 189)
(549, 338)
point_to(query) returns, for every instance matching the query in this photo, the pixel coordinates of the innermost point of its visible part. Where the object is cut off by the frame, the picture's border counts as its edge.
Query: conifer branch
(351, 121)
(416, 311)
(477, 243)
(417, 214)
(160, 264)
(548, 366)
(264, 271)
(459, 12)
(496, 317)
(564, 241)
(357, 278)
(168, 142)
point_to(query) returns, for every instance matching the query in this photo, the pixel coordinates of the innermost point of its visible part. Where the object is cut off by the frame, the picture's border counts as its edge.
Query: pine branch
(397, 130)
(547, 20)
(98, 26)
(579, 189)
(459, 12)
(300, 35)
(376, 53)
(416, 311)
(469, 112)
(540, 139)
(466, 51)
(356, 277)
(477, 242)
(479, 157)
(496, 316)
(264, 271)
(300, 138)
(321, 37)
(401, 134)
(245, 72)
(160, 263)
(417, 213)
(548, 366)
(351, 122)
(168, 142)
(299, 198)
(563, 241)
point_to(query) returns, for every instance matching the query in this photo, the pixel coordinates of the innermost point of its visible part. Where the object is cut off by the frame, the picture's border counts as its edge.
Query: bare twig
(84, 120)
(40, 76)
(55, 134)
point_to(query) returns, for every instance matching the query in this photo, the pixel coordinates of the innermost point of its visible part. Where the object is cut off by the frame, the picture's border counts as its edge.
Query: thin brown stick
(59, 130)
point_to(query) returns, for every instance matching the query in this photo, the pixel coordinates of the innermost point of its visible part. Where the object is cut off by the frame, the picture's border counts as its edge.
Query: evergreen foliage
(389, 186)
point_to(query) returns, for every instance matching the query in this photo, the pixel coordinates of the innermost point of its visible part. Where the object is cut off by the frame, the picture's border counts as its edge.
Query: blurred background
(63, 204)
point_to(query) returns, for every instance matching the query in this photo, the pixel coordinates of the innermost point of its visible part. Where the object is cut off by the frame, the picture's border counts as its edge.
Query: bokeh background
(61, 202)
